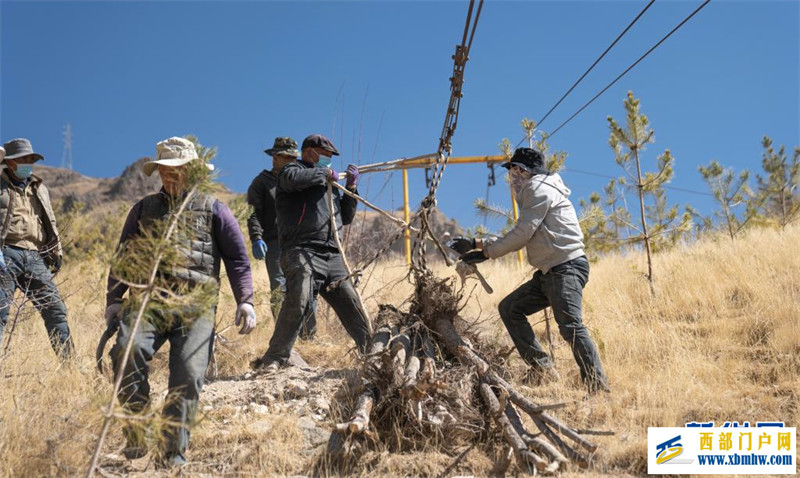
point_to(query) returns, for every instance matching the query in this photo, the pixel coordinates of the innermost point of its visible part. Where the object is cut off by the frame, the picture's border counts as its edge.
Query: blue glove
(474, 257)
(260, 249)
(3, 266)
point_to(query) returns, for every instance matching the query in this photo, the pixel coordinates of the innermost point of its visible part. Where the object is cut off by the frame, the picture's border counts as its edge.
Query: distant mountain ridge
(69, 187)
(98, 197)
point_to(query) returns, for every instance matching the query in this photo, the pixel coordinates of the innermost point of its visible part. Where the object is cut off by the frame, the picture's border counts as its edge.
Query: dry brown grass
(720, 341)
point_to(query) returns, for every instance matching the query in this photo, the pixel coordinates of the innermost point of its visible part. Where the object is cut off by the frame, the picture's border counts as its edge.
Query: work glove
(3, 266)
(352, 176)
(333, 176)
(112, 312)
(246, 317)
(56, 265)
(260, 249)
(462, 244)
(473, 257)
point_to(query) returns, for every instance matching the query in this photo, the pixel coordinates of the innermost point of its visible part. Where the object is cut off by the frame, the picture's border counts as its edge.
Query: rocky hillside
(98, 199)
(70, 187)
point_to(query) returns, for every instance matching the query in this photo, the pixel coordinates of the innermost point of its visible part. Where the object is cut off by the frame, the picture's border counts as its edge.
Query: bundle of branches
(427, 379)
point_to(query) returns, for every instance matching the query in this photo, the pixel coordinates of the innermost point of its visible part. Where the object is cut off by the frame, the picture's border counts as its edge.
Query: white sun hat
(173, 151)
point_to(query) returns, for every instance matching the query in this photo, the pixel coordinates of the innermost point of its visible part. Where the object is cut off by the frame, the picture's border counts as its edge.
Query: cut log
(411, 375)
(568, 432)
(568, 451)
(380, 339)
(400, 350)
(359, 419)
(525, 458)
(557, 459)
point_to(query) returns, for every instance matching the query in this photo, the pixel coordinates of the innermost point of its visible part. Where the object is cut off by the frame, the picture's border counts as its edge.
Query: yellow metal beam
(425, 161)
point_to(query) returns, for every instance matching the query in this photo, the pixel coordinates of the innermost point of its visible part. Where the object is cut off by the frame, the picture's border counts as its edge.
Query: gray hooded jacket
(547, 227)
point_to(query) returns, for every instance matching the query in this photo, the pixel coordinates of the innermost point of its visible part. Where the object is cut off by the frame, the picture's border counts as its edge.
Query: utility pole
(66, 156)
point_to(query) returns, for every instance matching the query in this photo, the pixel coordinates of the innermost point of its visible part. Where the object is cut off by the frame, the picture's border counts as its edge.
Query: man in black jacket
(309, 256)
(262, 226)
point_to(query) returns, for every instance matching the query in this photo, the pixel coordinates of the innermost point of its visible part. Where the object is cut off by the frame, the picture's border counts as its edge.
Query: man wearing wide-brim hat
(262, 225)
(209, 235)
(548, 229)
(31, 246)
(310, 257)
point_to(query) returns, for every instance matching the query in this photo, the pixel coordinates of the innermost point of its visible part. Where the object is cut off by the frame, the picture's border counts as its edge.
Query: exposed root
(427, 380)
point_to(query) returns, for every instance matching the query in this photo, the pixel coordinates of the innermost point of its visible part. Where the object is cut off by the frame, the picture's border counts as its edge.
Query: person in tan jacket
(30, 245)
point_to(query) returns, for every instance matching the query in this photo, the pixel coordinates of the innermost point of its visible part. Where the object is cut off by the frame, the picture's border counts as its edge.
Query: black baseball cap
(319, 141)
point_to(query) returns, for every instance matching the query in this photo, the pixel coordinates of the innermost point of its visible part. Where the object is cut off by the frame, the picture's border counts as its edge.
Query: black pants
(308, 273)
(562, 289)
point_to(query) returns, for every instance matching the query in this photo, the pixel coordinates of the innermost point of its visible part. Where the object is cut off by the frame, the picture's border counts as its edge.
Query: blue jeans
(562, 289)
(190, 349)
(27, 271)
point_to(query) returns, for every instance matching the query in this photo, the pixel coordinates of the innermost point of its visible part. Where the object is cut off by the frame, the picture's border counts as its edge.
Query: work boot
(263, 366)
(171, 460)
(538, 376)
(135, 442)
(597, 386)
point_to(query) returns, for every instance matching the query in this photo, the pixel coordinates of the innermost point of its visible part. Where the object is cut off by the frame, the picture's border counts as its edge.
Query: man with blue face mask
(31, 247)
(310, 259)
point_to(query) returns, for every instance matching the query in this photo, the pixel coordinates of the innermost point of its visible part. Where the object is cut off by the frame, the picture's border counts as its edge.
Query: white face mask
(518, 180)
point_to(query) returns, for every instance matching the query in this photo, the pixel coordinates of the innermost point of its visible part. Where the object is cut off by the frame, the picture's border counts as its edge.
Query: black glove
(474, 257)
(56, 266)
(462, 244)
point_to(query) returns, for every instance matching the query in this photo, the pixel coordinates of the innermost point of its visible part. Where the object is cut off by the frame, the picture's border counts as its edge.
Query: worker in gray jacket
(548, 228)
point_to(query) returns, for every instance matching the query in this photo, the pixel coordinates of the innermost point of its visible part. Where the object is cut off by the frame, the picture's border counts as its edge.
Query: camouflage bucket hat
(284, 145)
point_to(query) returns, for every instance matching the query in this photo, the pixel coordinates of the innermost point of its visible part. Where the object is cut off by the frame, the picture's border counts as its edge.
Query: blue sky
(373, 76)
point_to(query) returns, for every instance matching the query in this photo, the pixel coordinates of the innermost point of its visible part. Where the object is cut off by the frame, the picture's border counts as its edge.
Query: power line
(601, 175)
(630, 67)
(538, 123)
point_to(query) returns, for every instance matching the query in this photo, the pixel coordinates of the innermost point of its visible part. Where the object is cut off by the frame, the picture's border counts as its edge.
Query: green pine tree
(665, 226)
(731, 192)
(779, 187)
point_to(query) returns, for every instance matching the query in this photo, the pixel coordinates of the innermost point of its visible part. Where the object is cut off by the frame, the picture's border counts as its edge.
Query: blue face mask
(324, 162)
(24, 171)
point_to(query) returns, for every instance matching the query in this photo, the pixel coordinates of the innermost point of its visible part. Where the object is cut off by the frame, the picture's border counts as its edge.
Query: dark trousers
(191, 339)
(27, 271)
(562, 289)
(308, 273)
(277, 285)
